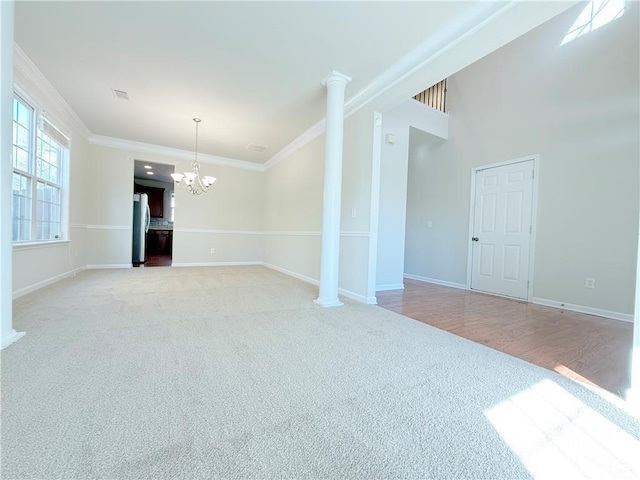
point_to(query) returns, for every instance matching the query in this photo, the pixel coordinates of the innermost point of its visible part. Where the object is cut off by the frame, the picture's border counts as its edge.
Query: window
(40, 155)
(596, 14)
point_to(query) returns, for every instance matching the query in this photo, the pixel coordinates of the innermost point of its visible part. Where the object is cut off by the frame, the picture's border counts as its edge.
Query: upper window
(595, 14)
(40, 154)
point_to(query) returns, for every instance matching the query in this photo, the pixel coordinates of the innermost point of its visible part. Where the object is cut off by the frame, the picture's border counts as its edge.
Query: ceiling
(159, 172)
(252, 71)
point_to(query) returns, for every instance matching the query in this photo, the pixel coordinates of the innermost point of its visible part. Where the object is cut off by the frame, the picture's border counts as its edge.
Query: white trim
(217, 232)
(24, 65)
(389, 286)
(37, 245)
(291, 274)
(215, 264)
(108, 227)
(407, 65)
(174, 153)
(435, 281)
(10, 338)
(432, 111)
(300, 141)
(358, 297)
(625, 317)
(535, 158)
(44, 283)
(328, 303)
(341, 291)
(374, 218)
(77, 225)
(293, 233)
(427, 51)
(106, 266)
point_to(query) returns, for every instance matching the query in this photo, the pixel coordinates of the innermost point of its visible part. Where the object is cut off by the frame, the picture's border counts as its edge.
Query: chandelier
(191, 181)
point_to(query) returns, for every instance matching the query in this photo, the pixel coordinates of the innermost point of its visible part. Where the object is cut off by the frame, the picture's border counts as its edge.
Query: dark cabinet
(156, 199)
(159, 242)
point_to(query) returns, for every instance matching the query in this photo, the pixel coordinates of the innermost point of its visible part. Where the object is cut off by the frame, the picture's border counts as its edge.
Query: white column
(329, 262)
(7, 334)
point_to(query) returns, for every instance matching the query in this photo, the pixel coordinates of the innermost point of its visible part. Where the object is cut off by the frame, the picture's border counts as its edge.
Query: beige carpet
(233, 372)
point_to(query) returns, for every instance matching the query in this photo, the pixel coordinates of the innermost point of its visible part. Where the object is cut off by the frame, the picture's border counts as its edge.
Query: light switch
(353, 213)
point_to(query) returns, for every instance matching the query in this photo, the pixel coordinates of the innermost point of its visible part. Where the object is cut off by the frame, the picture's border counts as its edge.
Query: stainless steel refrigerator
(141, 221)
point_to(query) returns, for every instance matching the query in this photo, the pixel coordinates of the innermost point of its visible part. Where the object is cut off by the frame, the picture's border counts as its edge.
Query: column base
(328, 302)
(10, 337)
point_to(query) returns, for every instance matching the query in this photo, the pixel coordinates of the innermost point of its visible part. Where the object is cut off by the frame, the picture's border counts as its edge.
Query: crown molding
(176, 153)
(475, 19)
(26, 67)
(310, 134)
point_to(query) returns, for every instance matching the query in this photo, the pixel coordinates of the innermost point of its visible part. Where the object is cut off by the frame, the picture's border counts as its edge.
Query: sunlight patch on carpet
(555, 435)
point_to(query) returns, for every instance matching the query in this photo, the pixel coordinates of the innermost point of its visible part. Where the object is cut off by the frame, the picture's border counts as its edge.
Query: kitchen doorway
(153, 195)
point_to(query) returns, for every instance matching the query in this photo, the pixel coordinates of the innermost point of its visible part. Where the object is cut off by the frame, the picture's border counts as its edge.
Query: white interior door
(501, 237)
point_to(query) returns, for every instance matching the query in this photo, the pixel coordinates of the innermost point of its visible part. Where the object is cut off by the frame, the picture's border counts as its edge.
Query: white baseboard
(108, 266)
(304, 278)
(625, 317)
(389, 286)
(215, 264)
(10, 338)
(44, 283)
(313, 281)
(435, 281)
(358, 297)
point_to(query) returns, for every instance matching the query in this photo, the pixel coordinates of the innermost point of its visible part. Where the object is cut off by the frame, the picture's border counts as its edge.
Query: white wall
(293, 212)
(434, 252)
(36, 266)
(576, 105)
(393, 184)
(357, 258)
(227, 218)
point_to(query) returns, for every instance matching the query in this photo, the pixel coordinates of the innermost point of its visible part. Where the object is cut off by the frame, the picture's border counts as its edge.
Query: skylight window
(596, 14)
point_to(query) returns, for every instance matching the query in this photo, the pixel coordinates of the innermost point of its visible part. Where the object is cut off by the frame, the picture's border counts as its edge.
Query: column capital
(336, 77)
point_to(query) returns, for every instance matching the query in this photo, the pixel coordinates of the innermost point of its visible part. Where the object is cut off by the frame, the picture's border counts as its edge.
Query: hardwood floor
(591, 349)
(158, 261)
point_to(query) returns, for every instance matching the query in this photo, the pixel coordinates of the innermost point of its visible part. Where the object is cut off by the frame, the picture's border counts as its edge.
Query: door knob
(475, 239)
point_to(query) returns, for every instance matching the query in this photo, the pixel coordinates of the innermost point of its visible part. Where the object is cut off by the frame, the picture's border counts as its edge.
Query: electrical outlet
(429, 224)
(213, 250)
(590, 283)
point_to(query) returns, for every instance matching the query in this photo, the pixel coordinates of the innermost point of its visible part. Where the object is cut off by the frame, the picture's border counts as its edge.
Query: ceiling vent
(257, 148)
(120, 94)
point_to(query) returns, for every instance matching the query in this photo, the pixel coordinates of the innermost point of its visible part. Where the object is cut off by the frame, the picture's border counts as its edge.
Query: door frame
(534, 217)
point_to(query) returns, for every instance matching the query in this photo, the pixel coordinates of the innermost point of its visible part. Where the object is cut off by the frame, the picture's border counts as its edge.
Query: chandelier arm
(192, 181)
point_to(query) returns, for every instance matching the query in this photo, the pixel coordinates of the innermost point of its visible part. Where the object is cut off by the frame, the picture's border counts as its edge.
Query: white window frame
(38, 115)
